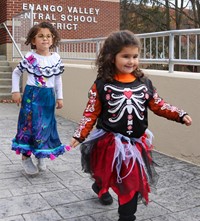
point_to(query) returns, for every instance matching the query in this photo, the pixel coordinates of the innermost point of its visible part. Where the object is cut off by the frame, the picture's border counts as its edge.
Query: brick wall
(3, 16)
(74, 19)
(3, 11)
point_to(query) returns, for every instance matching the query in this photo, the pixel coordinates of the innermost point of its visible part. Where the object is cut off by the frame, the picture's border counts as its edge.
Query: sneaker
(29, 166)
(41, 164)
(106, 198)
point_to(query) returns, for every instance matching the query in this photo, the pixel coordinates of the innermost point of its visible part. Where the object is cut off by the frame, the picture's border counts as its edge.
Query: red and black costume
(118, 152)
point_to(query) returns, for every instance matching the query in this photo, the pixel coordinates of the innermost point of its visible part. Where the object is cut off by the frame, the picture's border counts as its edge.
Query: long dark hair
(35, 29)
(114, 43)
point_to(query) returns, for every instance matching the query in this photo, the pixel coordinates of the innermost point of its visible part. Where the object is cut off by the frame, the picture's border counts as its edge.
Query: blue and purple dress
(37, 128)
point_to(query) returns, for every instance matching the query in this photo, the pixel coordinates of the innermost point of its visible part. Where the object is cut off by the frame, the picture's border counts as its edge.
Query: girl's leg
(127, 211)
(25, 156)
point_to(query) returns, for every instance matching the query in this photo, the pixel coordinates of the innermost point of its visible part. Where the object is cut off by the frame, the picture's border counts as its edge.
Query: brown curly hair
(35, 29)
(111, 47)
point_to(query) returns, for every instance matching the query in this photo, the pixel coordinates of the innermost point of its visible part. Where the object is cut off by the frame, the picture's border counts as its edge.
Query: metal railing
(169, 48)
(21, 24)
(3, 25)
(174, 47)
(80, 49)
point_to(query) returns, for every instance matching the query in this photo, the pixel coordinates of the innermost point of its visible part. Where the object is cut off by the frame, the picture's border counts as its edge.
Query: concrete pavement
(64, 192)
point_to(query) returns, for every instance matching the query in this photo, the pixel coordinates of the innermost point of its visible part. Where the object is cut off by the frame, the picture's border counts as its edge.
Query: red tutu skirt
(119, 162)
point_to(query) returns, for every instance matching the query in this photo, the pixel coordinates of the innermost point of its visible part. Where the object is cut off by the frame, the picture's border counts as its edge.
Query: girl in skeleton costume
(117, 153)
(37, 131)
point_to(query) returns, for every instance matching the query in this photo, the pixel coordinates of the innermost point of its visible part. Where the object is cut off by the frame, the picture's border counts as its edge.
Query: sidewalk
(64, 192)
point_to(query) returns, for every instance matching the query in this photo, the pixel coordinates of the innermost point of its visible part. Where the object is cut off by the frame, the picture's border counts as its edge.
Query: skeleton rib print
(125, 99)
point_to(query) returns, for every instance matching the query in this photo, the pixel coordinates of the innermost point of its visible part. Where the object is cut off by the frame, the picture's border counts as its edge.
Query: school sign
(74, 19)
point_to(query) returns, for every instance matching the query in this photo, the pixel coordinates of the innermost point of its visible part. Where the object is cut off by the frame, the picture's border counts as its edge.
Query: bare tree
(196, 12)
(137, 15)
(156, 15)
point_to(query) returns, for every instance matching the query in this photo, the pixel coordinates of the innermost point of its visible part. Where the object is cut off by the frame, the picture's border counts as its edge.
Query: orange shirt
(125, 78)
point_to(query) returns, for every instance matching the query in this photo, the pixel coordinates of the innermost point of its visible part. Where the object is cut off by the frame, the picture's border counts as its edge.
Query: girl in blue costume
(37, 130)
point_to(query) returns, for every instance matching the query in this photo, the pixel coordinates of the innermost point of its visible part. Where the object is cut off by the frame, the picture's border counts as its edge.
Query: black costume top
(122, 108)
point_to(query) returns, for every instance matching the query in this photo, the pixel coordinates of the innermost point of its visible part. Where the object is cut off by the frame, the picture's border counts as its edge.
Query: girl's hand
(74, 142)
(187, 120)
(16, 97)
(59, 103)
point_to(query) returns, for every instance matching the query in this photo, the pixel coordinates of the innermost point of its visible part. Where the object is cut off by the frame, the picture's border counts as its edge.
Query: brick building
(74, 19)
